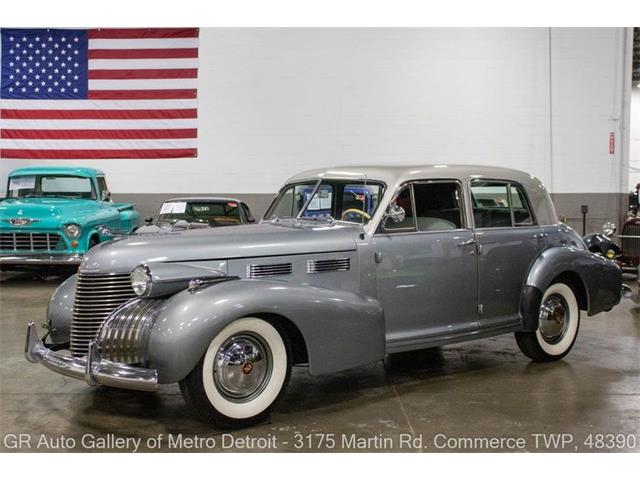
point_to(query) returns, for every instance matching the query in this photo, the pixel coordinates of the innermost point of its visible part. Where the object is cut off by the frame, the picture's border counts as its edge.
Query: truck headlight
(72, 230)
(609, 228)
(141, 280)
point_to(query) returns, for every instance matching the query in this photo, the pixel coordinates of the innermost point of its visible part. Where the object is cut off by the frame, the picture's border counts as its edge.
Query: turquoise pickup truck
(51, 216)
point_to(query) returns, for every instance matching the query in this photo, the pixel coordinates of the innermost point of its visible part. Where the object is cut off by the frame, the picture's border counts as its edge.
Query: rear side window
(521, 212)
(438, 206)
(499, 205)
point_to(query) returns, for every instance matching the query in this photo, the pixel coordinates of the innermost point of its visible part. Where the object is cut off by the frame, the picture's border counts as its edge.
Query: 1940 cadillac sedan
(348, 265)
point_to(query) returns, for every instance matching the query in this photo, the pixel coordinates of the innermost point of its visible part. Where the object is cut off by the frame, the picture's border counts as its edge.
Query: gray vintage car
(348, 265)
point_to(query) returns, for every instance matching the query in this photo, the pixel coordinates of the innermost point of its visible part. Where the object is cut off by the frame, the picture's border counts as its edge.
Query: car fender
(60, 310)
(341, 329)
(601, 278)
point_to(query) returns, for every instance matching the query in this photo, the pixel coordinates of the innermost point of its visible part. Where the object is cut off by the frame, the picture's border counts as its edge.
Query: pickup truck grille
(96, 297)
(631, 246)
(28, 242)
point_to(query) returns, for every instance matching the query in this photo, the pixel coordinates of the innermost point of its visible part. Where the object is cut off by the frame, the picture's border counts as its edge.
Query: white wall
(634, 151)
(276, 101)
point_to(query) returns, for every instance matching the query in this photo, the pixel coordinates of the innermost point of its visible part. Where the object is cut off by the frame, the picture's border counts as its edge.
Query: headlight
(140, 280)
(609, 228)
(72, 230)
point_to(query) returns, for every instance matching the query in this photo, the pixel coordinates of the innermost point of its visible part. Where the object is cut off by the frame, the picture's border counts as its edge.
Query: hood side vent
(331, 265)
(261, 271)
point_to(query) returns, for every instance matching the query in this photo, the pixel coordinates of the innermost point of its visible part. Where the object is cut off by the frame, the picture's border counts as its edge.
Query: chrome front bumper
(40, 259)
(93, 369)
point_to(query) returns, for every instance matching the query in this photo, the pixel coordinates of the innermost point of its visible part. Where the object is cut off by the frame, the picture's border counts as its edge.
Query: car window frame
(317, 183)
(94, 186)
(508, 184)
(380, 230)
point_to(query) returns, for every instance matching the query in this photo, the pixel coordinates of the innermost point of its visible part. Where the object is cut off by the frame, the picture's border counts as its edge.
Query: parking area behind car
(481, 389)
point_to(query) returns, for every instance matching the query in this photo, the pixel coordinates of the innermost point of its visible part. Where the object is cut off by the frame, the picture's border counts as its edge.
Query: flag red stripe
(18, 134)
(97, 154)
(142, 94)
(98, 114)
(143, 33)
(146, 74)
(143, 53)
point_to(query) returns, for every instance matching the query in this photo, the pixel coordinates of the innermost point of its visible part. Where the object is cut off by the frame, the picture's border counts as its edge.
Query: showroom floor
(481, 389)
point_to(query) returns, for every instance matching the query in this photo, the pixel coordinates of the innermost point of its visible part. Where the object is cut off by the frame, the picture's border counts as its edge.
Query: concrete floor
(480, 390)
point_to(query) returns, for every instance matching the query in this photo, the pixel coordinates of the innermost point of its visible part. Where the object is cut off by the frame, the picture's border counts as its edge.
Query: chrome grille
(631, 246)
(124, 335)
(29, 242)
(330, 265)
(96, 297)
(261, 271)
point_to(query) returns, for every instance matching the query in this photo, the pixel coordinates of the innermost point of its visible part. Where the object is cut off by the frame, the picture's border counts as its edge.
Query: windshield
(344, 200)
(68, 186)
(213, 213)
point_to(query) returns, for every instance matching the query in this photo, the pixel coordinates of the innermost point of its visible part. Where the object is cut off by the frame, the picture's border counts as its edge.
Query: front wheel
(558, 322)
(241, 375)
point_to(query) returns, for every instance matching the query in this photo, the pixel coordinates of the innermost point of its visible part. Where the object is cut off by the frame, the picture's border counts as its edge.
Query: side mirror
(148, 220)
(105, 196)
(396, 213)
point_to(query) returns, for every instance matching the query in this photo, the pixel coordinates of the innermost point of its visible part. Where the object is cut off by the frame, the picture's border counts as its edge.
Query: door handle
(471, 241)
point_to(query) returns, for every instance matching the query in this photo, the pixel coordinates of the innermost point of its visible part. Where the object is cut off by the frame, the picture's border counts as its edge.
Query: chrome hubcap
(242, 367)
(554, 318)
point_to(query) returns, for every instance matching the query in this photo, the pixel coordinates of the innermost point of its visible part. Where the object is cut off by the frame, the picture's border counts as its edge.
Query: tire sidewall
(277, 380)
(573, 311)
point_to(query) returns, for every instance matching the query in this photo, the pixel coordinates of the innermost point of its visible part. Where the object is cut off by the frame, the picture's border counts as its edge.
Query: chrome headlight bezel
(72, 230)
(609, 228)
(141, 280)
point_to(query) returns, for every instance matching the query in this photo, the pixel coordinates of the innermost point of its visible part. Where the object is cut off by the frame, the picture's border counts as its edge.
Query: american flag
(99, 93)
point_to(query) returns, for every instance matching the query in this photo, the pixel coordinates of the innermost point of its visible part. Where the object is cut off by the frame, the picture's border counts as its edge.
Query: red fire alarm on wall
(612, 143)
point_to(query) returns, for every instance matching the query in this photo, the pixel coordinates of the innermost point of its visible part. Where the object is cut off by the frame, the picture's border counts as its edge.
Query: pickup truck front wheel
(241, 375)
(558, 322)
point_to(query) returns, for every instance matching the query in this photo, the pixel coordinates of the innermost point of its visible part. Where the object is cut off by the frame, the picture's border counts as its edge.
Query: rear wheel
(558, 323)
(242, 374)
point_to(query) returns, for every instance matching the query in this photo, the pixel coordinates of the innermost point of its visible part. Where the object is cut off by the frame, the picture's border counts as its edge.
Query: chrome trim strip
(72, 259)
(92, 368)
(328, 265)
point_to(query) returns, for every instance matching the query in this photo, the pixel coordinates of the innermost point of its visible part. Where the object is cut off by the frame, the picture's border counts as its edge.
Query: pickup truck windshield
(213, 213)
(67, 186)
(346, 200)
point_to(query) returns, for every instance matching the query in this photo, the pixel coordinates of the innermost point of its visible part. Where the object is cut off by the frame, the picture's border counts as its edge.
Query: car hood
(242, 241)
(47, 212)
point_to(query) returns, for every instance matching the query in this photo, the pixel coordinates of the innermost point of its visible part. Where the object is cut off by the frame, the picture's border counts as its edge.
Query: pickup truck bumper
(39, 259)
(92, 369)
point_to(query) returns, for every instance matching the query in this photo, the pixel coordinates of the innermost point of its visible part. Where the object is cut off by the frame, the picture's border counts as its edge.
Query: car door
(427, 270)
(109, 212)
(509, 239)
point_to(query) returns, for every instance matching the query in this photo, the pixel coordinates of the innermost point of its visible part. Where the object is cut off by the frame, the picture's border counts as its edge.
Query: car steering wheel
(362, 213)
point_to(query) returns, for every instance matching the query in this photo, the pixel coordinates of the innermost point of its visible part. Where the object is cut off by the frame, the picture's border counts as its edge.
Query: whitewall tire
(242, 374)
(558, 324)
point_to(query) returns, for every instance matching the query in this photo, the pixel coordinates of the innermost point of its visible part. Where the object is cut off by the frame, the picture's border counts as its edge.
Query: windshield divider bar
(306, 204)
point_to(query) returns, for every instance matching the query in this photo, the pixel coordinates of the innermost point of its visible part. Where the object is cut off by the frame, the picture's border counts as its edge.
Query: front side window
(405, 201)
(102, 185)
(438, 206)
(67, 186)
(343, 200)
(499, 205)
(212, 213)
